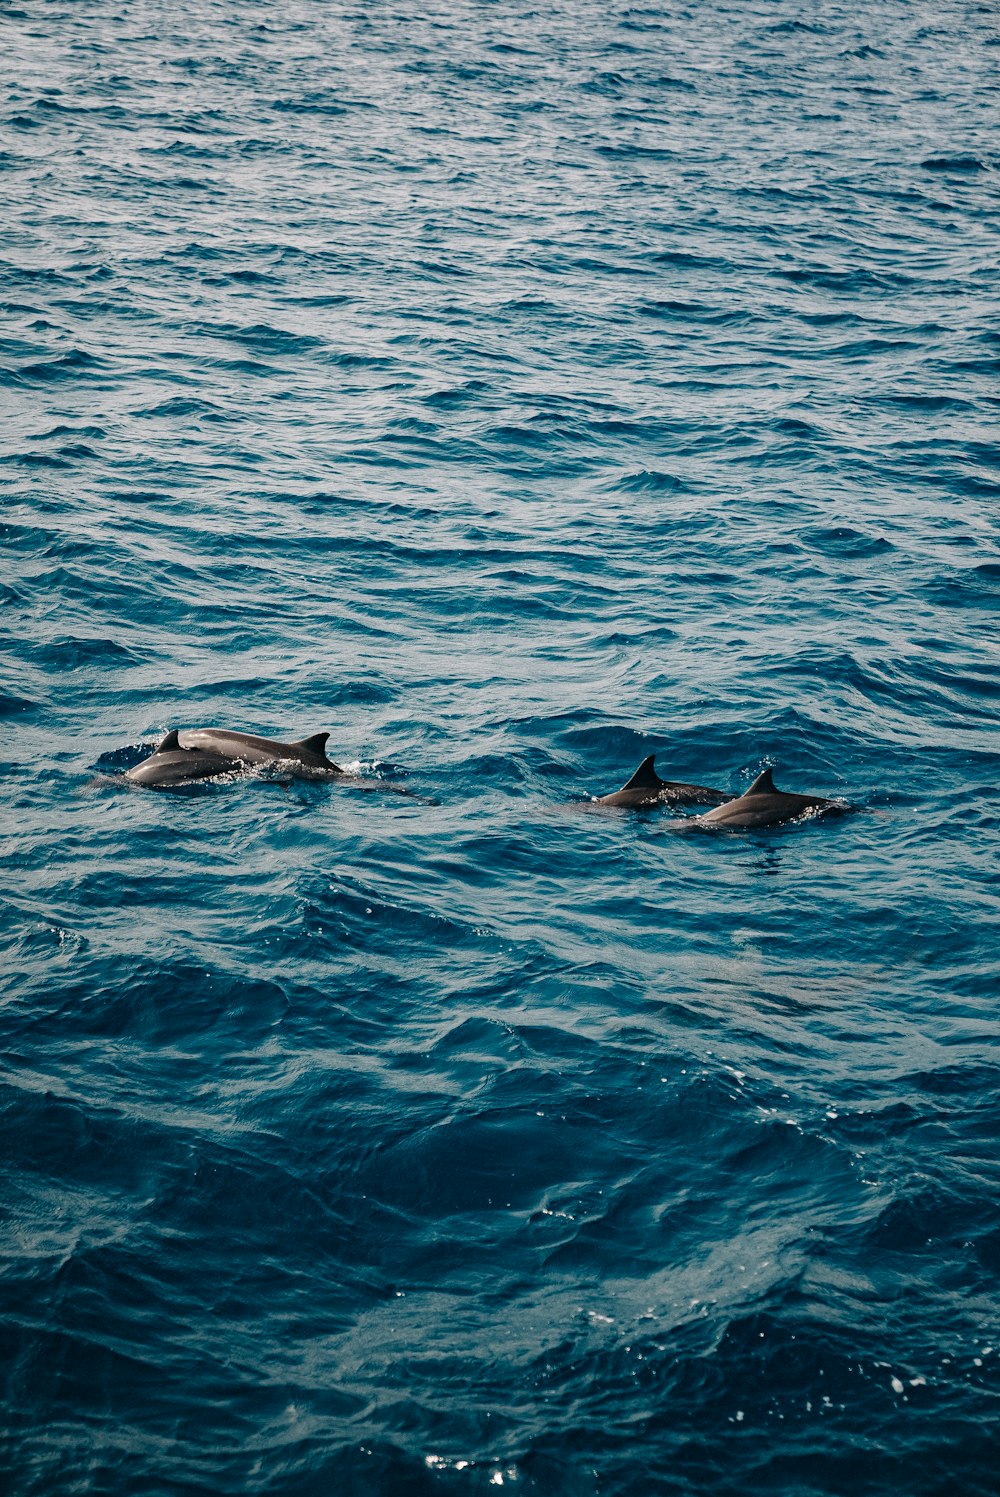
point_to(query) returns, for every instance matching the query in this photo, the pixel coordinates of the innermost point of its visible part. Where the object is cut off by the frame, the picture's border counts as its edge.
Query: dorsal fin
(170, 742)
(762, 785)
(645, 777)
(316, 744)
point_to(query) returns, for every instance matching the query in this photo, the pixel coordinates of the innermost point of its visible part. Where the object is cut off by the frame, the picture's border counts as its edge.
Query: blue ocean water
(513, 391)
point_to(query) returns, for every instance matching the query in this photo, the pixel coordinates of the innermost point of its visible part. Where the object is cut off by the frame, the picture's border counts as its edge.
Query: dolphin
(645, 788)
(308, 753)
(764, 805)
(202, 753)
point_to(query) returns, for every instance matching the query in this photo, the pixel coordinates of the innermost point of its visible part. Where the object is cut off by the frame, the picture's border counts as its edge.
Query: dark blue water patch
(684, 313)
(258, 368)
(935, 1220)
(33, 460)
(651, 482)
(162, 1005)
(540, 431)
(117, 760)
(17, 348)
(985, 365)
(966, 588)
(923, 401)
(243, 278)
(321, 104)
(56, 107)
(73, 585)
(66, 368)
(23, 122)
(470, 393)
(960, 164)
(78, 450)
(790, 27)
(269, 339)
(657, 80)
(31, 277)
(856, 281)
(184, 406)
(323, 695)
(340, 914)
(845, 541)
(12, 705)
(609, 83)
(71, 652)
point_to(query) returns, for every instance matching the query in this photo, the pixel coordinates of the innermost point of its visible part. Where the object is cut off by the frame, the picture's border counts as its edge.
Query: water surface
(514, 392)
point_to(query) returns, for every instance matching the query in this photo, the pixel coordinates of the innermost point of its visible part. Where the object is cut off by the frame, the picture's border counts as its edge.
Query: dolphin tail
(645, 777)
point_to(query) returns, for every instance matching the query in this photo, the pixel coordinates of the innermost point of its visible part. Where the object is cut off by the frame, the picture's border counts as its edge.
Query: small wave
(468, 393)
(650, 481)
(316, 103)
(183, 406)
(72, 651)
(844, 540)
(954, 164)
(264, 338)
(244, 278)
(12, 705)
(34, 460)
(66, 368)
(791, 27)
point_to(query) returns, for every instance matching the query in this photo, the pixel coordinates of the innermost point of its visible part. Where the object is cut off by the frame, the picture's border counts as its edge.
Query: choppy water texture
(513, 391)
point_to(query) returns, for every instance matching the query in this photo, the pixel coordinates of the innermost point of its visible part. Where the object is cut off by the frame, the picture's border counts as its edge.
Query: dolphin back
(250, 749)
(763, 804)
(645, 788)
(178, 766)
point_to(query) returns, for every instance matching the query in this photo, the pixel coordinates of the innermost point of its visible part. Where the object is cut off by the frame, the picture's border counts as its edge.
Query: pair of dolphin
(762, 805)
(202, 753)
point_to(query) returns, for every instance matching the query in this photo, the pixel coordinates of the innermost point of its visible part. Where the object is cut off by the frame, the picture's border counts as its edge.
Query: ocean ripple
(513, 394)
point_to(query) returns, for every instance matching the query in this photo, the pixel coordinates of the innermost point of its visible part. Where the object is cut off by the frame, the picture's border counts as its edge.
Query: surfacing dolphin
(202, 753)
(645, 788)
(764, 805)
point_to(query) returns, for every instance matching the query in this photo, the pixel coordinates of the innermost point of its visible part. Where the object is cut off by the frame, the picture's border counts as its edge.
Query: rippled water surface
(513, 391)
